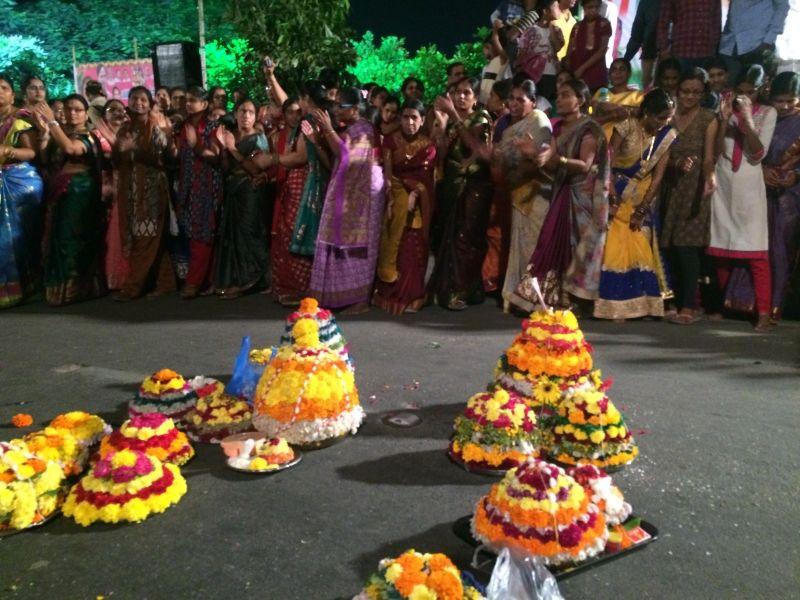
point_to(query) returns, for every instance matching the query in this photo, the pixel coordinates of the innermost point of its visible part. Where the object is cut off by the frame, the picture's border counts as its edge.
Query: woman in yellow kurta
(632, 282)
(619, 101)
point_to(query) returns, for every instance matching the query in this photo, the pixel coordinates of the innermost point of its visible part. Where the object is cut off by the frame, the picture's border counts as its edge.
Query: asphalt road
(715, 409)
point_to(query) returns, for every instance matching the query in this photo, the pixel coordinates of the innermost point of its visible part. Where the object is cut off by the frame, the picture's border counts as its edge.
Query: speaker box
(177, 64)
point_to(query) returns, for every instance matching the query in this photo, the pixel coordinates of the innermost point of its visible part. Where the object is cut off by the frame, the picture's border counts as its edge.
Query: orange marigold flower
(165, 375)
(22, 420)
(439, 561)
(309, 305)
(407, 580)
(446, 585)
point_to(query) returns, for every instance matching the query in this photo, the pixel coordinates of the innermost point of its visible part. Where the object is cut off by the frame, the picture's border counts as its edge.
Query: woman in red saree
(409, 161)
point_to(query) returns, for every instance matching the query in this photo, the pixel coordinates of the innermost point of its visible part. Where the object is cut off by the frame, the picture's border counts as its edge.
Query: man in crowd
(455, 72)
(644, 36)
(689, 30)
(97, 100)
(750, 33)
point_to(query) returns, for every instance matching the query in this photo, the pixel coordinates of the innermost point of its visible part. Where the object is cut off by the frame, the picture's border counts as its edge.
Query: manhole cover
(402, 419)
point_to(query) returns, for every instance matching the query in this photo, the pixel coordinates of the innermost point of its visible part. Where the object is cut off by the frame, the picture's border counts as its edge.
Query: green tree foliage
(232, 65)
(302, 36)
(21, 56)
(106, 31)
(389, 62)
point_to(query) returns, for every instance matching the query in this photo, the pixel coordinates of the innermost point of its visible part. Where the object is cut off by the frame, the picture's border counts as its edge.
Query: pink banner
(117, 78)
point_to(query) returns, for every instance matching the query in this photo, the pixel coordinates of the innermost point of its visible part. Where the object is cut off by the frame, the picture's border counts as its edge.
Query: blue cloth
(634, 283)
(752, 23)
(21, 191)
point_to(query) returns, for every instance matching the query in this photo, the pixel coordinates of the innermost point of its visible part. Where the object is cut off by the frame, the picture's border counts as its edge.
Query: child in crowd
(510, 11)
(537, 47)
(668, 73)
(588, 45)
(497, 67)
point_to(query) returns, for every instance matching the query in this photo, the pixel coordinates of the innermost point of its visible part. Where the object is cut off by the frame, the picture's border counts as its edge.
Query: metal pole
(201, 34)
(135, 49)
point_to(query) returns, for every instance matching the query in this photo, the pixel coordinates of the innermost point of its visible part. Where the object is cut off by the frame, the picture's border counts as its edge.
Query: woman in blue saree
(20, 203)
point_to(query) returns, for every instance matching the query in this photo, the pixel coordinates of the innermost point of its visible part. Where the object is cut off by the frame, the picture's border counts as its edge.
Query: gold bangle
(562, 160)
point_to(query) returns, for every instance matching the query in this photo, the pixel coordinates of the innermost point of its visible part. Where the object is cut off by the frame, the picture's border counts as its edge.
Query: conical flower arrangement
(330, 335)
(154, 434)
(165, 392)
(217, 416)
(307, 393)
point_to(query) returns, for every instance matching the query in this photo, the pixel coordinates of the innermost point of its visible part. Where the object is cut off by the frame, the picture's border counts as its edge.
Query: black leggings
(686, 269)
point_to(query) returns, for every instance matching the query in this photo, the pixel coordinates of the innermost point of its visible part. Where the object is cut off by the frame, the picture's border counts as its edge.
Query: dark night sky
(445, 22)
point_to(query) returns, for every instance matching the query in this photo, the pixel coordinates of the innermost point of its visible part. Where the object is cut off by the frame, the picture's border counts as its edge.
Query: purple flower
(123, 474)
(570, 537)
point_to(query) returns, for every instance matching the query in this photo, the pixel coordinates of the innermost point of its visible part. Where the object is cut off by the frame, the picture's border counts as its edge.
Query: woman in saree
(303, 171)
(632, 281)
(113, 116)
(464, 201)
(686, 197)
(780, 168)
(199, 190)
(569, 251)
(739, 214)
(143, 198)
(242, 257)
(409, 162)
(34, 92)
(21, 191)
(522, 152)
(75, 219)
(349, 231)
(619, 101)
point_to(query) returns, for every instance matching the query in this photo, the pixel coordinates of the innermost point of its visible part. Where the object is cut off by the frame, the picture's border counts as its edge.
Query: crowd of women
(672, 202)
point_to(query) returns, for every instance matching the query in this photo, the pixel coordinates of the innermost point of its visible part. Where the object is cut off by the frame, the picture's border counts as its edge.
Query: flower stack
(588, 429)
(86, 428)
(59, 446)
(153, 434)
(418, 576)
(206, 386)
(550, 352)
(266, 455)
(128, 485)
(602, 491)
(497, 431)
(217, 416)
(540, 510)
(164, 392)
(29, 486)
(307, 393)
(330, 335)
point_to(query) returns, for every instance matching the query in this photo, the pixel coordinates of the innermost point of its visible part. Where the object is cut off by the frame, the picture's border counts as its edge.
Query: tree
(21, 56)
(231, 65)
(302, 36)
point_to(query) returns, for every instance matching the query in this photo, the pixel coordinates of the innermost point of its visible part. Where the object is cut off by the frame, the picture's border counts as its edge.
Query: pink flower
(102, 469)
(570, 537)
(151, 420)
(143, 465)
(502, 422)
(123, 474)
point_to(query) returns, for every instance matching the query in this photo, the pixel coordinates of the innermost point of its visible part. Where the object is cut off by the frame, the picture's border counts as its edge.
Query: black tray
(486, 558)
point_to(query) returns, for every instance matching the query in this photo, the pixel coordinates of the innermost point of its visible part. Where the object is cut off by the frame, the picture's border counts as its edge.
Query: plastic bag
(246, 373)
(517, 577)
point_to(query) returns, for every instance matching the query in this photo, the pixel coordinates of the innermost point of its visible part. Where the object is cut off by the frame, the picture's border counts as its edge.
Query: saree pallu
(632, 280)
(312, 200)
(115, 263)
(291, 273)
(569, 251)
(21, 190)
(498, 232)
(349, 230)
(74, 239)
(242, 256)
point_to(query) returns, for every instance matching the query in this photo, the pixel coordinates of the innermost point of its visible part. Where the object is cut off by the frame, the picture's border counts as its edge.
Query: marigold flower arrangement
(497, 431)
(266, 455)
(165, 392)
(588, 429)
(86, 428)
(60, 446)
(128, 485)
(154, 434)
(30, 487)
(602, 491)
(549, 353)
(307, 393)
(538, 509)
(217, 416)
(330, 335)
(417, 576)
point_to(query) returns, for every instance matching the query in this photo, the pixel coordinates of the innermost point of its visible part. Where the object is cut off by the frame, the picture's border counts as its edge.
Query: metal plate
(311, 446)
(486, 558)
(477, 470)
(297, 458)
(47, 519)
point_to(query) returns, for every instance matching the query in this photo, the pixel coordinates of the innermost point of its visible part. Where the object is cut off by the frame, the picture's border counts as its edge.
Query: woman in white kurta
(739, 226)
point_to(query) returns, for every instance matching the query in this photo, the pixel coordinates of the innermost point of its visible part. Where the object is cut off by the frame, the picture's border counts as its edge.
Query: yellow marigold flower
(393, 572)
(597, 436)
(580, 434)
(421, 592)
